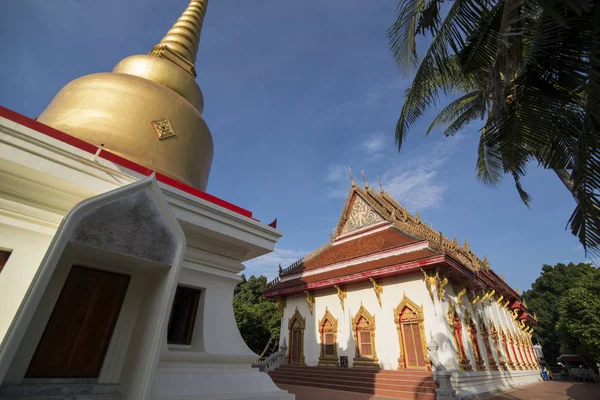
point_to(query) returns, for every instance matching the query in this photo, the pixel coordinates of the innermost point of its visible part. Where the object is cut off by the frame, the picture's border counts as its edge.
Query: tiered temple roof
(377, 237)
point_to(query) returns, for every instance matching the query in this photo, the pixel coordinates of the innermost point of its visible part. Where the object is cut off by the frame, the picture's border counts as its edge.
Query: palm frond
(468, 104)
(489, 163)
(402, 34)
(439, 71)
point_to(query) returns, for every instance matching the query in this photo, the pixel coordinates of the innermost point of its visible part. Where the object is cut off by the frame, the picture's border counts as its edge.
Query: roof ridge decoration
(393, 212)
(412, 225)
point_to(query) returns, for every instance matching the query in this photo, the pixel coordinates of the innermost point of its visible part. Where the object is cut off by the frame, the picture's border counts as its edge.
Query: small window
(365, 344)
(183, 315)
(4, 254)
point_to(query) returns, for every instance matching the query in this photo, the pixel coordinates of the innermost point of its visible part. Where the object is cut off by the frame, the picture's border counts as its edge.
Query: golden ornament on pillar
(148, 109)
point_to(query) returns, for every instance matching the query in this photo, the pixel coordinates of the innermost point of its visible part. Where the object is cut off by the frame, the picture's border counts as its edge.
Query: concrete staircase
(404, 384)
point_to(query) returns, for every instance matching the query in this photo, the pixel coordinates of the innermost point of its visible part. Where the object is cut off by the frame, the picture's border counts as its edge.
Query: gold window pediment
(364, 338)
(328, 327)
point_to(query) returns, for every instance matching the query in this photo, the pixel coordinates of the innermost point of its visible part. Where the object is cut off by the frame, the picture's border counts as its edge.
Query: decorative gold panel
(431, 279)
(310, 300)
(485, 335)
(473, 338)
(361, 215)
(163, 128)
(378, 288)
(454, 319)
(281, 301)
(341, 291)
(460, 295)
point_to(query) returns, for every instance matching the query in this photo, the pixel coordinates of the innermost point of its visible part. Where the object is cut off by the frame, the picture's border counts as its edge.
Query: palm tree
(530, 70)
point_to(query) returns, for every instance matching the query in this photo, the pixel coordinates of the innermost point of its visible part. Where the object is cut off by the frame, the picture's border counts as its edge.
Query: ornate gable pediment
(360, 215)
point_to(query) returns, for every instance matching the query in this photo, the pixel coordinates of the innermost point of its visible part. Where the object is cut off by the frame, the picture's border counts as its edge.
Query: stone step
(358, 371)
(64, 390)
(397, 393)
(339, 377)
(410, 387)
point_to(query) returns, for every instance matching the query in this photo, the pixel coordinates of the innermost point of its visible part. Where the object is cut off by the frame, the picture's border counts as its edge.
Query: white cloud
(414, 184)
(413, 180)
(268, 264)
(416, 189)
(336, 173)
(375, 144)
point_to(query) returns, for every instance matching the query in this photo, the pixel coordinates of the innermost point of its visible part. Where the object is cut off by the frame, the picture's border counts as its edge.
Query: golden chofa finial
(365, 179)
(180, 44)
(380, 185)
(351, 176)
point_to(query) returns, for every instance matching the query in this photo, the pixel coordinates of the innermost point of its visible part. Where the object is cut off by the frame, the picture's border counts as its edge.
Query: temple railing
(273, 361)
(441, 375)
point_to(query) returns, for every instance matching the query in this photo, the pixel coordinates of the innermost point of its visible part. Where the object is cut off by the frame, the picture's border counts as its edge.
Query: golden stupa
(148, 109)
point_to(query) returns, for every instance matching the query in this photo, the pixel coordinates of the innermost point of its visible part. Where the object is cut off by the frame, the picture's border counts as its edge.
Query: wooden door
(413, 345)
(295, 346)
(78, 332)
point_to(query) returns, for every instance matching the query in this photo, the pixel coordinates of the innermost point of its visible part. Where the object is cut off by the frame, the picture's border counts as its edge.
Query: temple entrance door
(80, 327)
(296, 327)
(409, 320)
(296, 340)
(413, 345)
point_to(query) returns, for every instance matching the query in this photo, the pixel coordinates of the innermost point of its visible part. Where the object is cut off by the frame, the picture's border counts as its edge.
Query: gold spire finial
(486, 263)
(180, 44)
(365, 179)
(418, 217)
(351, 177)
(467, 247)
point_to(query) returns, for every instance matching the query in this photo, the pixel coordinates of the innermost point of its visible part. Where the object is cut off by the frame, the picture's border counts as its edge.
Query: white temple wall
(386, 333)
(28, 248)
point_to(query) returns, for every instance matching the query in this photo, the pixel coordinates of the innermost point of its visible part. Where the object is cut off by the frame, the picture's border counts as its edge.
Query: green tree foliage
(257, 317)
(579, 321)
(553, 297)
(529, 70)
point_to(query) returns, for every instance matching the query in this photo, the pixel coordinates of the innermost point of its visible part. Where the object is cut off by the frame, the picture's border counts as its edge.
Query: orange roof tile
(361, 246)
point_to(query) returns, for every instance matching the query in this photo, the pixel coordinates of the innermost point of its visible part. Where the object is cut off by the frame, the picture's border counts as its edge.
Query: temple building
(117, 269)
(383, 288)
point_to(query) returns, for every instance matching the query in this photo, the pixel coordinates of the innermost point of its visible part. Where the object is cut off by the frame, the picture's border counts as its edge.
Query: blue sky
(295, 92)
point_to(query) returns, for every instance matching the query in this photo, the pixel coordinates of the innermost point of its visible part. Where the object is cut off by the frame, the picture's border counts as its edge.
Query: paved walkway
(553, 390)
(538, 391)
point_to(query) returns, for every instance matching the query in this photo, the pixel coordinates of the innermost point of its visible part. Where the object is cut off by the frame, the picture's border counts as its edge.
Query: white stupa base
(184, 381)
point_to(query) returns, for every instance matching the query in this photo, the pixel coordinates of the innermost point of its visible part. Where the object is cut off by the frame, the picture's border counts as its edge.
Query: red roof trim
(107, 155)
(394, 270)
